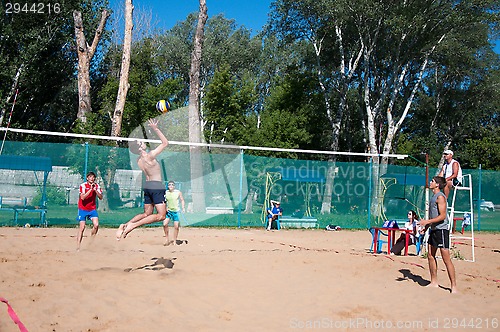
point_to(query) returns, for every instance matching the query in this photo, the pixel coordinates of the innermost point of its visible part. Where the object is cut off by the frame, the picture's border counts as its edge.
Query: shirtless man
(154, 188)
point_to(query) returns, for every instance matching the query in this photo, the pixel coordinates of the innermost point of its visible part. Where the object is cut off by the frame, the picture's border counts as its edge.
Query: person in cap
(451, 171)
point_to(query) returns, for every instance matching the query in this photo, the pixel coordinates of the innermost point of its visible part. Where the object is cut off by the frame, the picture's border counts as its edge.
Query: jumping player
(154, 188)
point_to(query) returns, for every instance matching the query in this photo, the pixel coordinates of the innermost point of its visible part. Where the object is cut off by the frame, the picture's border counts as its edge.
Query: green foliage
(36, 58)
(55, 196)
(290, 87)
(147, 87)
(226, 104)
(291, 117)
(483, 151)
(455, 253)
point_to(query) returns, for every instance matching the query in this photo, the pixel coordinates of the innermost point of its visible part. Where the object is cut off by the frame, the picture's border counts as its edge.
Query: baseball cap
(448, 152)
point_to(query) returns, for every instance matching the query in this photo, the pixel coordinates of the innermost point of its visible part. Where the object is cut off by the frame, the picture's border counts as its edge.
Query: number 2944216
(32, 8)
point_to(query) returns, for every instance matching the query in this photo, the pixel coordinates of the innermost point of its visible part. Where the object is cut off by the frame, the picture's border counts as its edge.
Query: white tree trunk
(116, 121)
(116, 125)
(13, 89)
(195, 130)
(85, 55)
(393, 124)
(347, 67)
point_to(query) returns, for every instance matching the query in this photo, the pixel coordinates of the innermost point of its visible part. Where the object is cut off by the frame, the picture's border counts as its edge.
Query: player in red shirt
(87, 206)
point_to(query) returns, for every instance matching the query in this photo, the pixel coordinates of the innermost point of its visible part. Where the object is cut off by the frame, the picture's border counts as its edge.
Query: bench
(20, 204)
(13, 201)
(294, 222)
(219, 210)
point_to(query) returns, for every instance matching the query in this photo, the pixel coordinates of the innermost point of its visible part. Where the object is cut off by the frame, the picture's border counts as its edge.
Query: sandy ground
(238, 280)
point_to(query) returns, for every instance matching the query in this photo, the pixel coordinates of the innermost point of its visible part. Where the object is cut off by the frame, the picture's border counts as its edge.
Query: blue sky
(252, 14)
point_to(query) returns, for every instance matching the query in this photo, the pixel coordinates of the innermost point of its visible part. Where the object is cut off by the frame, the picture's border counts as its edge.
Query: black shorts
(439, 238)
(154, 196)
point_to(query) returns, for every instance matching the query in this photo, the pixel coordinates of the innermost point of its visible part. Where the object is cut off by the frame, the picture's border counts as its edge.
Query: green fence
(236, 188)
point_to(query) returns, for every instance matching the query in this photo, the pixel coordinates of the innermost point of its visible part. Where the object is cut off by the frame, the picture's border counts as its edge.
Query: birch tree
(195, 129)
(337, 56)
(85, 54)
(400, 40)
(116, 121)
(396, 46)
(381, 48)
(121, 97)
(36, 59)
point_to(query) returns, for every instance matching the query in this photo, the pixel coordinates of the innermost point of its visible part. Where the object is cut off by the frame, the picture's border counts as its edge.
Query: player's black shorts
(154, 192)
(439, 238)
(154, 196)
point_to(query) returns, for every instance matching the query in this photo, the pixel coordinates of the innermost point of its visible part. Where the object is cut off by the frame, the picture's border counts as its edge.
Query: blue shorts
(83, 215)
(154, 196)
(173, 215)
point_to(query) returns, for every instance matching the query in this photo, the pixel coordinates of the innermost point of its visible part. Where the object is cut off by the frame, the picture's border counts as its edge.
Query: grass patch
(65, 216)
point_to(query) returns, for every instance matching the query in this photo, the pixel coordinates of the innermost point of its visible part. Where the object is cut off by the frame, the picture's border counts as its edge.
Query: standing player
(173, 196)
(154, 187)
(439, 235)
(87, 206)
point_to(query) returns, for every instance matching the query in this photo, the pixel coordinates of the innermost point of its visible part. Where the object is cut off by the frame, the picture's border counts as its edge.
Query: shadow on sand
(158, 264)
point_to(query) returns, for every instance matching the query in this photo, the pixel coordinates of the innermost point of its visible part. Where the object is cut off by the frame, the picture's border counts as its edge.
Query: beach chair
(274, 223)
(419, 242)
(380, 241)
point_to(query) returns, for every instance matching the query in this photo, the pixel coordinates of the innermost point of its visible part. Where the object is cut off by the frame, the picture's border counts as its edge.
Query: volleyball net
(224, 186)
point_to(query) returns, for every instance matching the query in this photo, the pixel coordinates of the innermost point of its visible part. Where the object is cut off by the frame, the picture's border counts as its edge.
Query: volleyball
(163, 106)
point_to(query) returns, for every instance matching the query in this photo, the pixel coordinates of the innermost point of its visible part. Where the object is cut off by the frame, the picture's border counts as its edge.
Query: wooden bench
(294, 222)
(20, 204)
(219, 210)
(8, 202)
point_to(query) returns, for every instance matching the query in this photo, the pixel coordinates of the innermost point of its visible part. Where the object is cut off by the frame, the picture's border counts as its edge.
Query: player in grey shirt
(439, 235)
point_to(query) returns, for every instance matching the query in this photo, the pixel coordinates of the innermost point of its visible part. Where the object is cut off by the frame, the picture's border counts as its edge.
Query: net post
(86, 160)
(241, 188)
(370, 175)
(479, 199)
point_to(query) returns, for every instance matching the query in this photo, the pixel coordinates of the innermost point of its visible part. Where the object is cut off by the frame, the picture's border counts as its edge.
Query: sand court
(237, 279)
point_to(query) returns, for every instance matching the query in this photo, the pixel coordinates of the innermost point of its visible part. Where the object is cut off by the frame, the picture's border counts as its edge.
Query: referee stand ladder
(462, 194)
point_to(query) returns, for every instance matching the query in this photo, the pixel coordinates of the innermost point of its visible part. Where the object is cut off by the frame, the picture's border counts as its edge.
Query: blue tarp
(25, 163)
